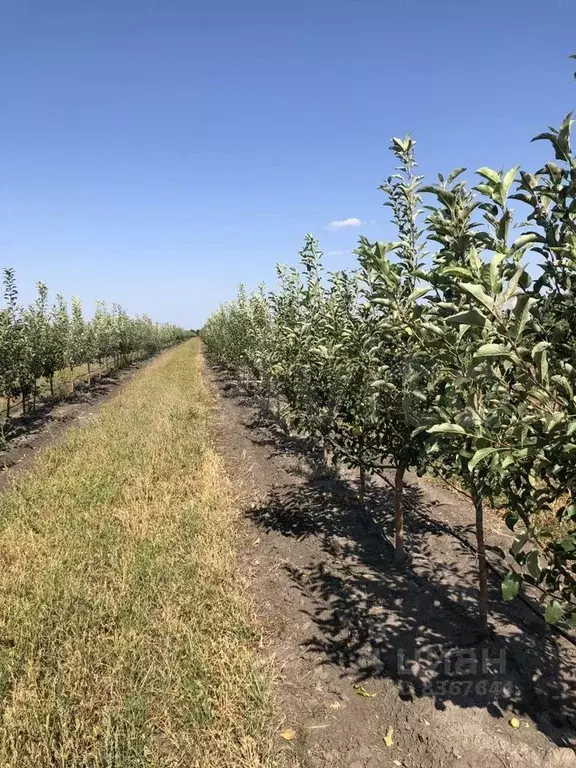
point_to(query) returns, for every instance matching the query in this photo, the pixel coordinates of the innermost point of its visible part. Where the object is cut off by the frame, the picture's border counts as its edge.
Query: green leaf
(471, 316)
(493, 350)
(496, 550)
(511, 586)
(554, 612)
(489, 174)
(511, 519)
(519, 543)
(485, 189)
(434, 328)
(521, 313)
(520, 242)
(456, 272)
(476, 292)
(533, 564)
(564, 384)
(494, 271)
(507, 180)
(479, 456)
(540, 357)
(512, 286)
(553, 420)
(447, 429)
(455, 173)
(418, 294)
(540, 347)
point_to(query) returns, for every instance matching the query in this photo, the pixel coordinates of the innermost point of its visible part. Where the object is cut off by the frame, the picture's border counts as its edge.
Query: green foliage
(441, 352)
(37, 341)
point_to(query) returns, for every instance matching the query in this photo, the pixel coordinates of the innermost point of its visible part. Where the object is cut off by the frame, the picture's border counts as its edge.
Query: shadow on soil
(24, 426)
(375, 619)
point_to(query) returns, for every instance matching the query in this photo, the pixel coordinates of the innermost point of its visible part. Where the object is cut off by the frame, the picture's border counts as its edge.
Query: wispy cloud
(344, 223)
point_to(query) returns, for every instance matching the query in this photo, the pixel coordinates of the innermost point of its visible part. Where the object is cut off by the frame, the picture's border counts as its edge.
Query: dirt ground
(369, 650)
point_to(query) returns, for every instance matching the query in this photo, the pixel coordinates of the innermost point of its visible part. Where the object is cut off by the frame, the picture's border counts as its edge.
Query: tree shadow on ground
(413, 624)
(376, 619)
(21, 426)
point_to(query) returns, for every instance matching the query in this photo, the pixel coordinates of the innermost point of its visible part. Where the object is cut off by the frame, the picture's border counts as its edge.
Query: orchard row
(38, 341)
(451, 350)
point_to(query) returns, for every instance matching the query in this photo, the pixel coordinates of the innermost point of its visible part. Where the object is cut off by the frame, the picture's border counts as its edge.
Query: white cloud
(343, 223)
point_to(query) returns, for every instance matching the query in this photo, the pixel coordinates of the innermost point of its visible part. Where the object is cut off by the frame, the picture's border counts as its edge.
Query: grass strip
(125, 638)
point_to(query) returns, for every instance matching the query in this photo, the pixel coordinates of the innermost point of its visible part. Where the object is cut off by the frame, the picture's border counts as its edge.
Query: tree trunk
(8, 407)
(52, 384)
(72, 378)
(89, 372)
(34, 394)
(362, 470)
(325, 456)
(399, 513)
(482, 570)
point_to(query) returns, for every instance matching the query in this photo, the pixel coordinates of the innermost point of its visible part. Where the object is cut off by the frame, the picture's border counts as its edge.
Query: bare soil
(337, 613)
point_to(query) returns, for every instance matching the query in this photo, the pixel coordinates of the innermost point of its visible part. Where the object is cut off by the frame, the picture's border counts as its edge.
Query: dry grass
(125, 639)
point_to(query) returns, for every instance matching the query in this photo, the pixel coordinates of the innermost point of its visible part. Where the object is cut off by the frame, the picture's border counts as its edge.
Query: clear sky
(157, 152)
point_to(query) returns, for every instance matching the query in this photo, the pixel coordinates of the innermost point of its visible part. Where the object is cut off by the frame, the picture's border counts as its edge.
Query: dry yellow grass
(125, 638)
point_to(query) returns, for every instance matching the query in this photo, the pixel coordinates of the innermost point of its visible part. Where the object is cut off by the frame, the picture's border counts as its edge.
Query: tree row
(38, 341)
(451, 350)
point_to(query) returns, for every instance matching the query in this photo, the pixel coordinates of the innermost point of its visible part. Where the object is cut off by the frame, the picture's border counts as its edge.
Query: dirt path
(339, 614)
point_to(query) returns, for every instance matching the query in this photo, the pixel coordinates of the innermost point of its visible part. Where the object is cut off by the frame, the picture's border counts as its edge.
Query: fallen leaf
(514, 722)
(389, 738)
(335, 705)
(289, 734)
(361, 691)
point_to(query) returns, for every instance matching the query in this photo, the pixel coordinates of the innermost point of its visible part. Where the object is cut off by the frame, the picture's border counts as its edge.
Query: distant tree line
(38, 341)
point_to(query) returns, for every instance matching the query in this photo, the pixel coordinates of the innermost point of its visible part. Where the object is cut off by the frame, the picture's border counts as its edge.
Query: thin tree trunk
(34, 393)
(8, 407)
(52, 385)
(482, 570)
(72, 378)
(23, 404)
(89, 373)
(399, 513)
(362, 472)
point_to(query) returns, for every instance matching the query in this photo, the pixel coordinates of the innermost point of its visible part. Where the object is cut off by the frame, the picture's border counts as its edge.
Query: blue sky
(157, 152)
